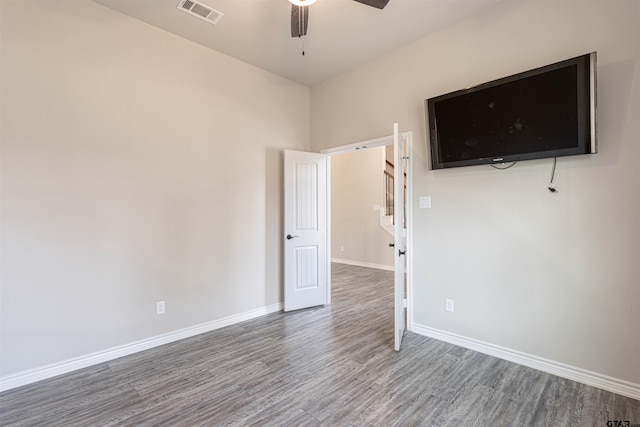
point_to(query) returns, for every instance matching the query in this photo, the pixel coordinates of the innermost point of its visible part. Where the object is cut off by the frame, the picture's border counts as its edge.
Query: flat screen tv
(545, 112)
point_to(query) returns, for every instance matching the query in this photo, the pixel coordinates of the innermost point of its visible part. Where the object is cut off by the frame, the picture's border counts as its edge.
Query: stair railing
(388, 193)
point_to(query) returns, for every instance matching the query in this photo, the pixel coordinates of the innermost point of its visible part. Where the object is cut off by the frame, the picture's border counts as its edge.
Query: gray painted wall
(551, 275)
(136, 167)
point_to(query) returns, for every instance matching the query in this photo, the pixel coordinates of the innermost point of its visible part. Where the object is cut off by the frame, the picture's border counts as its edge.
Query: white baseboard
(27, 377)
(363, 264)
(573, 373)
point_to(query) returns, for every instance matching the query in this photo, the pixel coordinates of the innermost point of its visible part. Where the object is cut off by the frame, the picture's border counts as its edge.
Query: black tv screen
(545, 112)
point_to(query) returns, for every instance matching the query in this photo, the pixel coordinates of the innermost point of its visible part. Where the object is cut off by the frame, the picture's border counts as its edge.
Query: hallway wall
(356, 186)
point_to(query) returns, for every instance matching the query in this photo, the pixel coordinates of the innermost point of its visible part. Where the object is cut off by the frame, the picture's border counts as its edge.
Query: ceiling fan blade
(380, 4)
(299, 20)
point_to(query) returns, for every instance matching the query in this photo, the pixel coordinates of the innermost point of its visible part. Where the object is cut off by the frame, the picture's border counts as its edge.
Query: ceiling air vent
(200, 10)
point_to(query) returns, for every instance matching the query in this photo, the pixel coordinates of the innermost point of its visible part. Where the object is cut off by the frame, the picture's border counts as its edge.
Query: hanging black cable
(552, 186)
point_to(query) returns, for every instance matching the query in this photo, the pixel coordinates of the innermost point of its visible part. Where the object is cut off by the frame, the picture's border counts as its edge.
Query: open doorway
(402, 149)
(361, 208)
(307, 223)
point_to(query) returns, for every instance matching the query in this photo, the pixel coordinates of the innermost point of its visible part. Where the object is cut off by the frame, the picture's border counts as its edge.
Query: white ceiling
(342, 33)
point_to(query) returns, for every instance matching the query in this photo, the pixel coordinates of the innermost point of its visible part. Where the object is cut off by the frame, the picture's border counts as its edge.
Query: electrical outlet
(341, 248)
(448, 305)
(160, 307)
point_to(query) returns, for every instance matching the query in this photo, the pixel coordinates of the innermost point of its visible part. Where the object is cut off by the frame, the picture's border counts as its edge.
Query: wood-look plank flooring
(325, 366)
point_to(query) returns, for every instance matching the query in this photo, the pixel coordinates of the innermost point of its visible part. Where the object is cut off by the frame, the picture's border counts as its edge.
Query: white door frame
(371, 143)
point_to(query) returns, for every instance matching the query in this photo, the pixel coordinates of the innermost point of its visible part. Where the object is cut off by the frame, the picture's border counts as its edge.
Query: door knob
(289, 237)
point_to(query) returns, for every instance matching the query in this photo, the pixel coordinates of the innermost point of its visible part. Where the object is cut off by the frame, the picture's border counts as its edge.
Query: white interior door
(306, 258)
(400, 235)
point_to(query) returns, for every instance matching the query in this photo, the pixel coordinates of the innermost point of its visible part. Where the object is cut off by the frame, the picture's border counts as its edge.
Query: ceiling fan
(300, 14)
